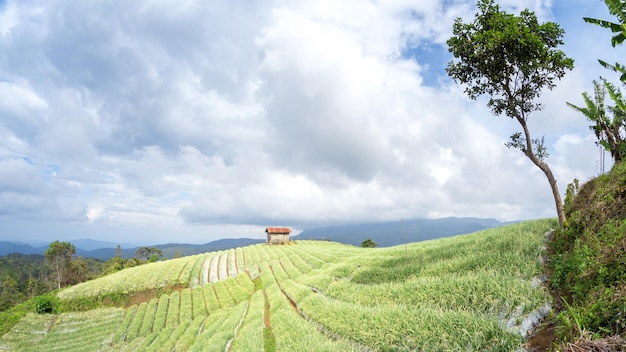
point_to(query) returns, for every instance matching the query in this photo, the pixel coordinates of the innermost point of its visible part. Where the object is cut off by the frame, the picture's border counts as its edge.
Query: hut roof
(278, 230)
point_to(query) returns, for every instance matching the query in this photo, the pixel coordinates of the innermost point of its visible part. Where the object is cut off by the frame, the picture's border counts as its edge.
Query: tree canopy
(369, 243)
(507, 57)
(151, 254)
(59, 256)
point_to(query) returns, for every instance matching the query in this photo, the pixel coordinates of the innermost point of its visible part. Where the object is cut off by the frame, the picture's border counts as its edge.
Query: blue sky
(185, 121)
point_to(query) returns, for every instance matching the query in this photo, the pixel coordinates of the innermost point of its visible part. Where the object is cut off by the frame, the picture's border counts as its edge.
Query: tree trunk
(58, 274)
(555, 192)
(560, 211)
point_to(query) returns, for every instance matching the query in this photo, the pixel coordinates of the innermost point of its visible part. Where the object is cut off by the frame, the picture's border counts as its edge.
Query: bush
(45, 303)
(368, 243)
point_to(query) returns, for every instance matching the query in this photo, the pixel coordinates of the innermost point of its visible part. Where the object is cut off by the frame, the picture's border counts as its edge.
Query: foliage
(511, 59)
(11, 316)
(21, 276)
(118, 263)
(570, 193)
(617, 8)
(151, 254)
(58, 259)
(10, 294)
(45, 303)
(588, 267)
(368, 243)
(610, 131)
(609, 122)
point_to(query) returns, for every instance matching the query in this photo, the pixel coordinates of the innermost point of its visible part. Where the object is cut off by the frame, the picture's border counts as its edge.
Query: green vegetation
(368, 243)
(616, 8)
(589, 262)
(150, 254)
(608, 121)
(21, 277)
(468, 292)
(511, 59)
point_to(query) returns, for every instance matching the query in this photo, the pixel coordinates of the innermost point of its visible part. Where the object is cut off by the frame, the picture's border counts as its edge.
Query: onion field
(471, 292)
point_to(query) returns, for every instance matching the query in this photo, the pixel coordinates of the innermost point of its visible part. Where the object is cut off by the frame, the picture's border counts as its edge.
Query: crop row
(227, 311)
(202, 269)
(182, 307)
(30, 330)
(457, 294)
(75, 331)
(451, 294)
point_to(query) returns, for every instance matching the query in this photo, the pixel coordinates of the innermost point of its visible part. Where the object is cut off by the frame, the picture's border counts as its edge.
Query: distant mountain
(170, 250)
(385, 234)
(92, 251)
(90, 245)
(390, 233)
(14, 247)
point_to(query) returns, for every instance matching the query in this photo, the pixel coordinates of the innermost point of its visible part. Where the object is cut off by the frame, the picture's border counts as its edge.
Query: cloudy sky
(154, 121)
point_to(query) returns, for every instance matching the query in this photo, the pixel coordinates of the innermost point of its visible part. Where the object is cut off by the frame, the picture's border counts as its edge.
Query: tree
(618, 9)
(59, 259)
(10, 294)
(368, 243)
(149, 253)
(78, 271)
(511, 59)
(610, 131)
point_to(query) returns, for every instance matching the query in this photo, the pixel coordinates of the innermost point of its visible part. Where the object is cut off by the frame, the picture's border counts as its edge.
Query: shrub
(368, 243)
(45, 303)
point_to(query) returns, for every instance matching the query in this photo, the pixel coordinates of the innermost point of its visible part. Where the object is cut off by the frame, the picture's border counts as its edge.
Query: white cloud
(212, 119)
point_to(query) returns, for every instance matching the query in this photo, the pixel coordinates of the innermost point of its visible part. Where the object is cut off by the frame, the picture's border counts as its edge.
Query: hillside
(472, 292)
(588, 264)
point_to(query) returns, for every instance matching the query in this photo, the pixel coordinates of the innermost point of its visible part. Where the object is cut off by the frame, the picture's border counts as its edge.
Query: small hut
(277, 235)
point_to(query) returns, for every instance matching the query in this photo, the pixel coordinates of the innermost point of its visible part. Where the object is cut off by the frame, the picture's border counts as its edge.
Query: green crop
(467, 292)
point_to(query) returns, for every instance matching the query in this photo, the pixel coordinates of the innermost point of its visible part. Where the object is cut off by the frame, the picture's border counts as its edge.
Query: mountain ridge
(169, 250)
(385, 234)
(391, 233)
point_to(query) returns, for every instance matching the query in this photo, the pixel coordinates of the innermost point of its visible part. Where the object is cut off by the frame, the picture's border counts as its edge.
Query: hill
(385, 234)
(104, 253)
(391, 233)
(472, 292)
(22, 248)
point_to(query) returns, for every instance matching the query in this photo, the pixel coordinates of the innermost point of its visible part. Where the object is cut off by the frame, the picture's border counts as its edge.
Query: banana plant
(616, 8)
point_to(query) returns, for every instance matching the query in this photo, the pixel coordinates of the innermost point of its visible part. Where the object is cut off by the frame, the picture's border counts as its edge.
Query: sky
(188, 121)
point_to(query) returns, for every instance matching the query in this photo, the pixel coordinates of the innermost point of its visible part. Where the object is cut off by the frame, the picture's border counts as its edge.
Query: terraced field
(471, 292)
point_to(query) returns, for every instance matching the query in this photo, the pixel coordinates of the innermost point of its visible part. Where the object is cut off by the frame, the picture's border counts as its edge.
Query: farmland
(469, 292)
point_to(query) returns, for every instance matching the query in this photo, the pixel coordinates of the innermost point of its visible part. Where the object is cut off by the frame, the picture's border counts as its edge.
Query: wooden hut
(277, 235)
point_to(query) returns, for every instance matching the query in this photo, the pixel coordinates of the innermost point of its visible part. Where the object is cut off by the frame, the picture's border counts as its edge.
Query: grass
(588, 266)
(450, 294)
